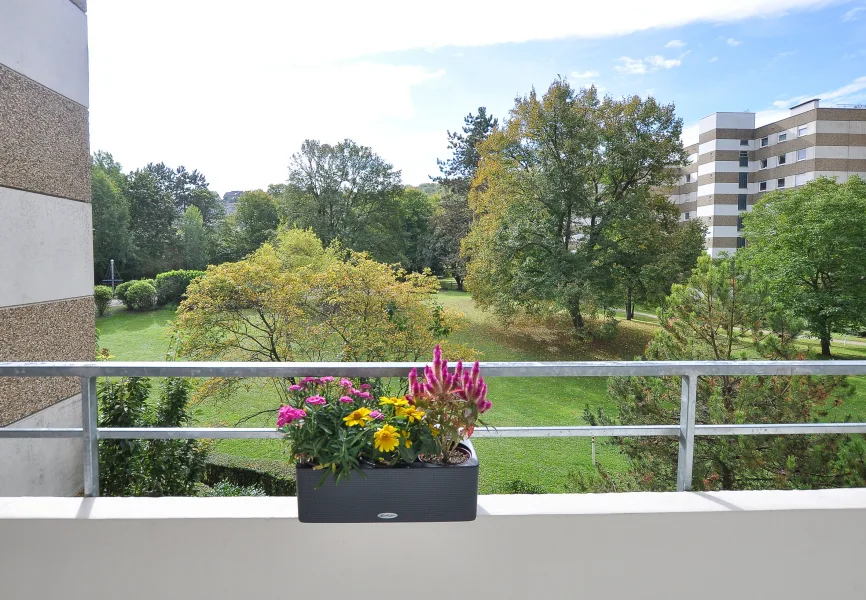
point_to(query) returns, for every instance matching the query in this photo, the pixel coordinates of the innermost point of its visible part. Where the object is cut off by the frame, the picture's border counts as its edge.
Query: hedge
(120, 290)
(140, 296)
(101, 297)
(171, 285)
(274, 477)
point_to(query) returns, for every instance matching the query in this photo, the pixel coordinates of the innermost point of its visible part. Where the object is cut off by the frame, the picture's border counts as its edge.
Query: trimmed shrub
(226, 488)
(120, 291)
(171, 286)
(101, 297)
(141, 296)
(274, 477)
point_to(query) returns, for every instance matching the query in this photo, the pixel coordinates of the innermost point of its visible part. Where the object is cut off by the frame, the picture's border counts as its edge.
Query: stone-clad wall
(46, 248)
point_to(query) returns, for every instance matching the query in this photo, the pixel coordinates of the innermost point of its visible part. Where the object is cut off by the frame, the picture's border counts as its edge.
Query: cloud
(733, 42)
(584, 74)
(853, 14)
(641, 66)
(675, 44)
(714, 59)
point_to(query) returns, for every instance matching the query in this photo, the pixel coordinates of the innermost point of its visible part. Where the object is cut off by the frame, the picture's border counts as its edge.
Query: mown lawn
(547, 463)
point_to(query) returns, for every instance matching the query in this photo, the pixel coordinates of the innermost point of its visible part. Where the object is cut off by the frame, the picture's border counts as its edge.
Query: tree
(187, 188)
(152, 223)
(416, 210)
(720, 313)
(301, 302)
(554, 186)
(345, 192)
(256, 219)
(193, 239)
(112, 237)
(459, 170)
(809, 245)
(450, 225)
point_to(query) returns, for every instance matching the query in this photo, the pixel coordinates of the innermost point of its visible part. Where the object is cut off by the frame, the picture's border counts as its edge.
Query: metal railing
(689, 371)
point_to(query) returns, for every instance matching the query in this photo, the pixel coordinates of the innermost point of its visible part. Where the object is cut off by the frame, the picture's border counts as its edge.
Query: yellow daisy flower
(395, 401)
(360, 416)
(410, 412)
(405, 435)
(386, 439)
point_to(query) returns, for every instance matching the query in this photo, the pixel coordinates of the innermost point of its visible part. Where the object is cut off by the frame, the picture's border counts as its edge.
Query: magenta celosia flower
(346, 399)
(295, 388)
(326, 379)
(376, 415)
(346, 383)
(318, 400)
(289, 414)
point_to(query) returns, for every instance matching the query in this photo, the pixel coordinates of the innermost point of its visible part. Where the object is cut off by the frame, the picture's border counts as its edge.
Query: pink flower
(317, 400)
(327, 379)
(365, 386)
(313, 380)
(295, 388)
(346, 399)
(289, 414)
(346, 383)
(376, 415)
(360, 394)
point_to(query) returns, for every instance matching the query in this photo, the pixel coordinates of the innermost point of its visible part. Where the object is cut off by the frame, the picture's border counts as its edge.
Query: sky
(233, 88)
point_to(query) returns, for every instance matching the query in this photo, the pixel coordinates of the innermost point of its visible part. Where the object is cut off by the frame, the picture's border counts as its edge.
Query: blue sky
(232, 89)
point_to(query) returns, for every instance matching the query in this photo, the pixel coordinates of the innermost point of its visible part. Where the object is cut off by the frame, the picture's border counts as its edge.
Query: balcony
(760, 544)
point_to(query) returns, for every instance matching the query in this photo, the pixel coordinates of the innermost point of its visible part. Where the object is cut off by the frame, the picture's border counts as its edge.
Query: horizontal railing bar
(22, 432)
(578, 431)
(188, 433)
(789, 429)
(490, 369)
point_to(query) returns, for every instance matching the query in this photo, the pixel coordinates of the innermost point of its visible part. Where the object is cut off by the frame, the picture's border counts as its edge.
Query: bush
(274, 477)
(101, 297)
(226, 488)
(120, 291)
(171, 286)
(141, 296)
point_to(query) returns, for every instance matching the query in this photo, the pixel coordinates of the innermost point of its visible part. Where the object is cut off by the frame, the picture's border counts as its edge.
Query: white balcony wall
(785, 545)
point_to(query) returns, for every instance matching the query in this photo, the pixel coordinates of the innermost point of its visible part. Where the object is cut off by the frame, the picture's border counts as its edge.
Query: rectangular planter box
(415, 493)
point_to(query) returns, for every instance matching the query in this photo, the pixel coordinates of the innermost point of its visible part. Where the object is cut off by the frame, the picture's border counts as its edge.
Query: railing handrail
(687, 429)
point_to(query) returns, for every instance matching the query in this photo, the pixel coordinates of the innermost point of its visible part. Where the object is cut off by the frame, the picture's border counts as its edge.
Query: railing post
(91, 441)
(686, 457)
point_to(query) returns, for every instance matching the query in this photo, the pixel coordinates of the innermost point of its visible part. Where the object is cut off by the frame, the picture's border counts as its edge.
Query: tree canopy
(809, 246)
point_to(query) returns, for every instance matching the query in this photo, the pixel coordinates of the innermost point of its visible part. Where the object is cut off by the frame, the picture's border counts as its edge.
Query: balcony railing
(689, 371)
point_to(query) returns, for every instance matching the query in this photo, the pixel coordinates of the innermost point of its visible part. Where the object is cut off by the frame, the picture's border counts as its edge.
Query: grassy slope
(517, 401)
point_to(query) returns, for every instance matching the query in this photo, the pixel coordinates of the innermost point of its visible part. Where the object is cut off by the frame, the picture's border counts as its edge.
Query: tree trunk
(825, 345)
(576, 317)
(459, 281)
(629, 306)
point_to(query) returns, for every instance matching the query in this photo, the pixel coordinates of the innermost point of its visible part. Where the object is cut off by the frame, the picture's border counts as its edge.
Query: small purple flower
(317, 400)
(376, 415)
(346, 399)
(295, 388)
(346, 383)
(327, 379)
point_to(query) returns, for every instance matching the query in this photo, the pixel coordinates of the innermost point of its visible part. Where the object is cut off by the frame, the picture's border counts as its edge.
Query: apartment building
(734, 163)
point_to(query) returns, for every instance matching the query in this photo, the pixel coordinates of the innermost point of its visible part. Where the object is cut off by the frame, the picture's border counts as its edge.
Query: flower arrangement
(338, 426)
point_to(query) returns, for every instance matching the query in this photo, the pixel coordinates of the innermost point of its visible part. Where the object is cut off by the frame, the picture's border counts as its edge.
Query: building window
(686, 216)
(780, 183)
(802, 130)
(783, 158)
(744, 180)
(741, 202)
(763, 163)
(741, 242)
(744, 159)
(765, 141)
(744, 142)
(762, 186)
(783, 137)
(801, 154)
(688, 177)
(739, 223)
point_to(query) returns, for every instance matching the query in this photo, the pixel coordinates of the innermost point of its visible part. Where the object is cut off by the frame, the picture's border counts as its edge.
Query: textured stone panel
(792, 145)
(82, 4)
(52, 331)
(794, 167)
(726, 134)
(724, 220)
(719, 177)
(688, 207)
(788, 123)
(43, 140)
(723, 242)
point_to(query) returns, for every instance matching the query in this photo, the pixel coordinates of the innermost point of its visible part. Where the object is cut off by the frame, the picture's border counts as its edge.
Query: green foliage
(300, 248)
(416, 210)
(226, 488)
(120, 290)
(171, 286)
(720, 314)
(809, 246)
(274, 477)
(345, 193)
(450, 225)
(519, 486)
(459, 170)
(153, 223)
(101, 297)
(147, 467)
(112, 237)
(193, 239)
(141, 295)
(256, 220)
(561, 191)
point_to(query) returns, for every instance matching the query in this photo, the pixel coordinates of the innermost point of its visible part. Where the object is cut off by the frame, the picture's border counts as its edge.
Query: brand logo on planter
(387, 515)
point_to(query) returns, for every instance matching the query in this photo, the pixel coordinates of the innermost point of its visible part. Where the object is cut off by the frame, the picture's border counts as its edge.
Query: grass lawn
(544, 462)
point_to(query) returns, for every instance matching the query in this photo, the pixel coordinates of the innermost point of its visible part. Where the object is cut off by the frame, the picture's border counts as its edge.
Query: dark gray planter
(415, 493)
